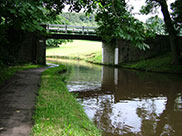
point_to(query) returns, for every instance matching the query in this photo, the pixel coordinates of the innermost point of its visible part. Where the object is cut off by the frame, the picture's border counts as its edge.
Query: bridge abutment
(121, 51)
(32, 49)
(112, 53)
(108, 53)
(41, 50)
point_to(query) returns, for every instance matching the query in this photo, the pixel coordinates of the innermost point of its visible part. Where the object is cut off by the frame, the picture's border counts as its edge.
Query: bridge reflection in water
(129, 103)
(149, 104)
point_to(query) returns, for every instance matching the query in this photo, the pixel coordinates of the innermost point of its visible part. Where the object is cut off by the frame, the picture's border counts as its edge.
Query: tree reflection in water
(133, 103)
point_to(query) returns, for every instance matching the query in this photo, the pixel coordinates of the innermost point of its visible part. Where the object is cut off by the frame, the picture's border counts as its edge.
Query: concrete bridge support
(32, 49)
(41, 50)
(110, 53)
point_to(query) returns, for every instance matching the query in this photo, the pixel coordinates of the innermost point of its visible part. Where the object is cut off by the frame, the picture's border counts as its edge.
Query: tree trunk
(172, 33)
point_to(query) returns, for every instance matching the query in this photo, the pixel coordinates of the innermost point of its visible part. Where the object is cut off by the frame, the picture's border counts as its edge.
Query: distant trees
(79, 19)
(70, 18)
(56, 42)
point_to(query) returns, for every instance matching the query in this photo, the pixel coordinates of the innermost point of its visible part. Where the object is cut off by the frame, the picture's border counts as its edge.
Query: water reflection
(129, 103)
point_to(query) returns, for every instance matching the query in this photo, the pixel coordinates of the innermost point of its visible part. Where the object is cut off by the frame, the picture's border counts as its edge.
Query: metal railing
(70, 29)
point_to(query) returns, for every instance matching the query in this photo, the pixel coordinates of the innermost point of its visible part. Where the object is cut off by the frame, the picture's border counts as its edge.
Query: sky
(137, 6)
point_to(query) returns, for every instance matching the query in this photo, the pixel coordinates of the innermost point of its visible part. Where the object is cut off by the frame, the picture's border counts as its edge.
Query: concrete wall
(108, 53)
(32, 49)
(40, 50)
(122, 51)
(130, 53)
(25, 51)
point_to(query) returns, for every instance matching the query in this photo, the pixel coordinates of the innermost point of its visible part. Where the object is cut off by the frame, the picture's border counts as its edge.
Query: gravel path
(17, 99)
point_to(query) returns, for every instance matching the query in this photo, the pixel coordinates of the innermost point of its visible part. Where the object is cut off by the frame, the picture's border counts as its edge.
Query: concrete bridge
(57, 31)
(33, 47)
(118, 51)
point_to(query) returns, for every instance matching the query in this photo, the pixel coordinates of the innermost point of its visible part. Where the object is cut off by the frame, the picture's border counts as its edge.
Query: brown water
(129, 103)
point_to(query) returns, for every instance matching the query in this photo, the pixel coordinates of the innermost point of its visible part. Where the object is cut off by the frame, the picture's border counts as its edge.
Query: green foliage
(177, 14)
(28, 15)
(56, 42)
(59, 20)
(25, 15)
(156, 25)
(57, 112)
(153, 5)
(80, 19)
(116, 22)
(16, 17)
(150, 7)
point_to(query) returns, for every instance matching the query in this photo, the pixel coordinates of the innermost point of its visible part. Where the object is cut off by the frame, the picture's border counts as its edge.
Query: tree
(116, 22)
(150, 6)
(156, 25)
(177, 14)
(19, 16)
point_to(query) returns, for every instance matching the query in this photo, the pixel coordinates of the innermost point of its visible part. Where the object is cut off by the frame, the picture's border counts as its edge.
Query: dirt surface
(17, 99)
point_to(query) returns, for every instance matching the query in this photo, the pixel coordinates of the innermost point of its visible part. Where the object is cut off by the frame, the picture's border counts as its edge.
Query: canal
(123, 102)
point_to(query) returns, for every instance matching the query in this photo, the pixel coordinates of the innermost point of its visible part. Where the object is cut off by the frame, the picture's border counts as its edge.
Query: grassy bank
(92, 52)
(157, 64)
(57, 113)
(7, 72)
(78, 49)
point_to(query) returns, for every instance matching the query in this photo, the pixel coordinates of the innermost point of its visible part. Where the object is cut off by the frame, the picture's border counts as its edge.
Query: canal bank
(57, 112)
(159, 64)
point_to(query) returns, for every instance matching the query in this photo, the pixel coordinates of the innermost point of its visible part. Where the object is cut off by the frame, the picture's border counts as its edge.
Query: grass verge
(78, 49)
(157, 64)
(95, 58)
(57, 112)
(7, 72)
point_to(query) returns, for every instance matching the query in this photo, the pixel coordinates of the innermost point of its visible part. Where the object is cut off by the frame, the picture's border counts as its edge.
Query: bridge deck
(57, 31)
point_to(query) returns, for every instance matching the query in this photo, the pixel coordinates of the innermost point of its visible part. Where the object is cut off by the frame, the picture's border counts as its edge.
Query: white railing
(70, 29)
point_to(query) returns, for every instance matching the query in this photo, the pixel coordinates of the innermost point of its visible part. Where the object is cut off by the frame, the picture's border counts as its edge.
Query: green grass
(7, 72)
(57, 112)
(157, 64)
(78, 49)
(95, 58)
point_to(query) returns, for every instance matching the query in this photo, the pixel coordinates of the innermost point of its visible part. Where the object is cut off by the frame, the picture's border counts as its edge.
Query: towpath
(17, 100)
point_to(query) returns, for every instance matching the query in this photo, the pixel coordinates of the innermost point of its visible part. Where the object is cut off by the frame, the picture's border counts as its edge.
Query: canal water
(123, 102)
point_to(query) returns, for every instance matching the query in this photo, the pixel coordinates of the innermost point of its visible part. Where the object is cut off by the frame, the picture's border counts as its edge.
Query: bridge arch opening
(78, 50)
(105, 54)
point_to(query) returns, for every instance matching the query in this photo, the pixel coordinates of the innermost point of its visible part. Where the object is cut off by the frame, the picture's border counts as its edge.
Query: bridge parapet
(70, 29)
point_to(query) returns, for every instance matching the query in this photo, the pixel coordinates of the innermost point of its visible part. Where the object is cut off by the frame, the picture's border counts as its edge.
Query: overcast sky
(137, 6)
